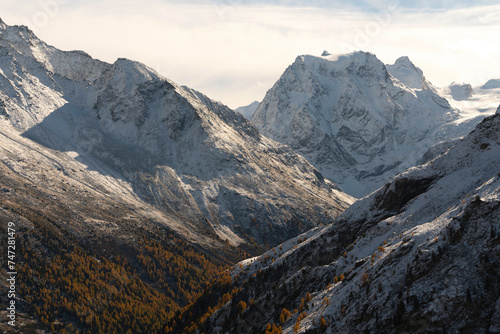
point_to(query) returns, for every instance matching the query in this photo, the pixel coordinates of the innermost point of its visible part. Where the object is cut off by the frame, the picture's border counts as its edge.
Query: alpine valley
(141, 206)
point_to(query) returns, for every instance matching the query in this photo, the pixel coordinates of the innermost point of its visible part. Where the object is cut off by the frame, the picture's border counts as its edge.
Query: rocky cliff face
(355, 119)
(421, 254)
(193, 159)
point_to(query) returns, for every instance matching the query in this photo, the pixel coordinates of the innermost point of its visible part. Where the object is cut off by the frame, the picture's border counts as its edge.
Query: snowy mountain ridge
(491, 84)
(192, 158)
(357, 120)
(410, 75)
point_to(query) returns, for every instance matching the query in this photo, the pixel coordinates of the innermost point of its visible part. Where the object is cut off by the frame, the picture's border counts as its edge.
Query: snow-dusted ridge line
(192, 158)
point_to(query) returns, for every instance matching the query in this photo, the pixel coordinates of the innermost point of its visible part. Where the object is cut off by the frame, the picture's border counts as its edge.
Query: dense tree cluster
(73, 289)
(100, 295)
(179, 270)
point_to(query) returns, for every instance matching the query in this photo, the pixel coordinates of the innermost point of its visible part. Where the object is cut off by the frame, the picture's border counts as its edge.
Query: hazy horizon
(234, 51)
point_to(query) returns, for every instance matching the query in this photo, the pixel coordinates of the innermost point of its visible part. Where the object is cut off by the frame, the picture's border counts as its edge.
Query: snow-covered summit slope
(410, 75)
(421, 254)
(194, 159)
(30, 75)
(74, 65)
(357, 120)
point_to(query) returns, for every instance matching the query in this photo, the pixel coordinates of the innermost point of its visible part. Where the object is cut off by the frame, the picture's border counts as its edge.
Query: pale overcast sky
(234, 50)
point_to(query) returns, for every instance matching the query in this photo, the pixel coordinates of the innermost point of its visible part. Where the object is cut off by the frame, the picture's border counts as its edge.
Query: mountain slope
(356, 120)
(195, 160)
(76, 225)
(421, 254)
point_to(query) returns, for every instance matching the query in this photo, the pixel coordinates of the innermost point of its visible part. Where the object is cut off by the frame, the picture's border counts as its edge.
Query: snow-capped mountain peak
(73, 65)
(135, 71)
(406, 72)
(125, 75)
(248, 110)
(354, 118)
(461, 91)
(356, 60)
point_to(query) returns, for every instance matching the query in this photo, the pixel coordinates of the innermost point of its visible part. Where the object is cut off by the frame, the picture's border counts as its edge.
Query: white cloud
(225, 50)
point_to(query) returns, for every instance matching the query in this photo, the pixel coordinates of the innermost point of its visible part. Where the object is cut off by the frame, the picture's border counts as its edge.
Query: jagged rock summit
(355, 119)
(406, 72)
